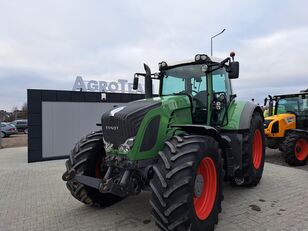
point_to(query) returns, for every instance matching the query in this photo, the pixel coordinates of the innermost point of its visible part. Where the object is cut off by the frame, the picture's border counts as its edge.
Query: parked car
(8, 129)
(21, 125)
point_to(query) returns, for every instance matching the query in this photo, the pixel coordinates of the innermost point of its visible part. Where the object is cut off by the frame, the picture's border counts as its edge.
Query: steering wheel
(195, 91)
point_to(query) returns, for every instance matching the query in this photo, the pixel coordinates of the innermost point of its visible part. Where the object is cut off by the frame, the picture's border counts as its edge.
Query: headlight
(108, 146)
(267, 123)
(218, 106)
(127, 145)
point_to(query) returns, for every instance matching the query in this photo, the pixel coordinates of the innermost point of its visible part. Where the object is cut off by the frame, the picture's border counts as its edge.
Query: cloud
(274, 64)
(54, 41)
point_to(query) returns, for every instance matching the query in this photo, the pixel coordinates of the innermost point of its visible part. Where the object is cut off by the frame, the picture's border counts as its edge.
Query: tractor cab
(204, 80)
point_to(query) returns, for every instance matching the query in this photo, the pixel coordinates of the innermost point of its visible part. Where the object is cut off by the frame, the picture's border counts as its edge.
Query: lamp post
(0, 136)
(212, 40)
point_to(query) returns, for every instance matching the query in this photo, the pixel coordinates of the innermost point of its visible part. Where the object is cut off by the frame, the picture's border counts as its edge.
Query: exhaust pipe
(148, 82)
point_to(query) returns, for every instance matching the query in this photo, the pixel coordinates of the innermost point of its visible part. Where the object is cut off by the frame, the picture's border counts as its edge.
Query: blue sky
(46, 44)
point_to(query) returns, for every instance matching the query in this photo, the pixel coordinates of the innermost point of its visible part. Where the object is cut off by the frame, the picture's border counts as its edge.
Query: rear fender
(247, 113)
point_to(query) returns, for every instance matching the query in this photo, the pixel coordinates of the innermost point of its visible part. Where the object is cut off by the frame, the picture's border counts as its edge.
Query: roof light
(200, 57)
(203, 57)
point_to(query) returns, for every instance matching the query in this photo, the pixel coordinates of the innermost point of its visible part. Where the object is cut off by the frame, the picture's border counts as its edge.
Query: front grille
(119, 125)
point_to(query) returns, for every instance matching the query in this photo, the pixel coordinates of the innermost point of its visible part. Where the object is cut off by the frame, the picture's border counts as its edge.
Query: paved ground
(276, 157)
(33, 197)
(18, 140)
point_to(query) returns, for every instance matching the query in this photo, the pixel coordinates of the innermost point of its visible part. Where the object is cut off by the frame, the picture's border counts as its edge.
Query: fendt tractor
(180, 145)
(286, 127)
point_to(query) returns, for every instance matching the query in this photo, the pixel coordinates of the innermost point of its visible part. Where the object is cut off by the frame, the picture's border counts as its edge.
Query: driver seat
(199, 113)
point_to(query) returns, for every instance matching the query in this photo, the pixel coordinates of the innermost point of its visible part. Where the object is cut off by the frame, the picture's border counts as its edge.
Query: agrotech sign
(119, 86)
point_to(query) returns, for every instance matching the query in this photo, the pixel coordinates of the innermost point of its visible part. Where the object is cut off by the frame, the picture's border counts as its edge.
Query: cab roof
(291, 95)
(210, 58)
(192, 61)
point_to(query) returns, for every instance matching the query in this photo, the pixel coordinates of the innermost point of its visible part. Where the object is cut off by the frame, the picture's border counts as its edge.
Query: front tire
(187, 184)
(2, 134)
(86, 158)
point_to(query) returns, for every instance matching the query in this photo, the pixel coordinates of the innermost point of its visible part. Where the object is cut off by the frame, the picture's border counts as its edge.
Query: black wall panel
(35, 99)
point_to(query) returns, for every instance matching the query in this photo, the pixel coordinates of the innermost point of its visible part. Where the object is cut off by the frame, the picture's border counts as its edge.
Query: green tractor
(179, 145)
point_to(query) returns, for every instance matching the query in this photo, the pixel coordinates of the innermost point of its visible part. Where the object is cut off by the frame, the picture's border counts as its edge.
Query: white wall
(64, 123)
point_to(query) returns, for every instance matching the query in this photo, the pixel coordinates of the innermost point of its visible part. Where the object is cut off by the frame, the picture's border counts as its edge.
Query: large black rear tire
(253, 153)
(86, 158)
(296, 149)
(188, 169)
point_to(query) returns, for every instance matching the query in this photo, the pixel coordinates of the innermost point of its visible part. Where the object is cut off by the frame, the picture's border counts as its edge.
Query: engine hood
(281, 116)
(123, 122)
(120, 125)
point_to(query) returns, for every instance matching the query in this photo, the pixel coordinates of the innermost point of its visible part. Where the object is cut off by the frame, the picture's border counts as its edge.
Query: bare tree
(24, 112)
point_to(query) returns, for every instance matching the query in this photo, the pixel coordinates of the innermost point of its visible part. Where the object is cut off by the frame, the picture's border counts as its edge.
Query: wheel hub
(301, 149)
(199, 184)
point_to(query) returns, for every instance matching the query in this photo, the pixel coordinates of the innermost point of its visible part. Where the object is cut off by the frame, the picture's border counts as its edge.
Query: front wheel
(187, 184)
(2, 134)
(87, 157)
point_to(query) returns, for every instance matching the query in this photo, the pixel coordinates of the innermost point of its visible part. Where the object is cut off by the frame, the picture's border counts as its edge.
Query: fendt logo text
(114, 128)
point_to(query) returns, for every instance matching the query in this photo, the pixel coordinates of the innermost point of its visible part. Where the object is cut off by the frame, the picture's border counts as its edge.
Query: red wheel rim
(301, 149)
(204, 202)
(257, 149)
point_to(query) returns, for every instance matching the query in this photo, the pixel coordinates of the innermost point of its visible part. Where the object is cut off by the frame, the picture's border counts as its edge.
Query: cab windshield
(191, 79)
(291, 105)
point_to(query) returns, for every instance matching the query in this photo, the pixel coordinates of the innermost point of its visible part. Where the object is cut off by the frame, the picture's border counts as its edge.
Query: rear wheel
(296, 149)
(187, 184)
(253, 153)
(86, 158)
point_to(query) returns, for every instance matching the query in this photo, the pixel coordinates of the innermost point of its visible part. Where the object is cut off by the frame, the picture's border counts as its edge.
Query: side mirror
(234, 69)
(136, 81)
